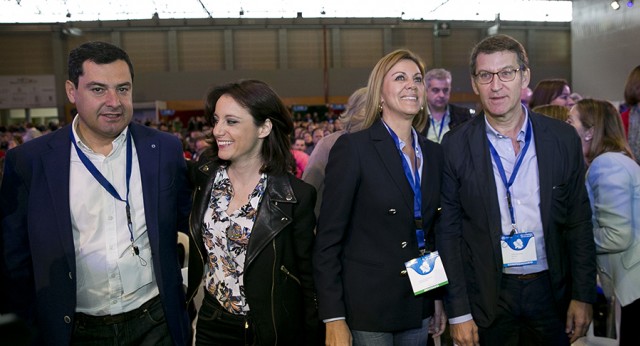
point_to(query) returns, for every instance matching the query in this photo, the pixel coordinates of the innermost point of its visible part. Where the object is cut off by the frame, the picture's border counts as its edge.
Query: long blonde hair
(374, 88)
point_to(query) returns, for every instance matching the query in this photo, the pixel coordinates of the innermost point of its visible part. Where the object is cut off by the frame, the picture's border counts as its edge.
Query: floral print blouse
(226, 238)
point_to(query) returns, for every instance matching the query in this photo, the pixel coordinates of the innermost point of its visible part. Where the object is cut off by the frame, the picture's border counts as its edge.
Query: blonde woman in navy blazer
(367, 228)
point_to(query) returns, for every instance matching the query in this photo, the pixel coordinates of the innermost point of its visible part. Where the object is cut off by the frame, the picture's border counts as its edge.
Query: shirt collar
(493, 133)
(117, 142)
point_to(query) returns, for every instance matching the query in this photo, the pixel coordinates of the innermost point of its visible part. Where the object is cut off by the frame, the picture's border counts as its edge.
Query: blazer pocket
(559, 203)
(631, 257)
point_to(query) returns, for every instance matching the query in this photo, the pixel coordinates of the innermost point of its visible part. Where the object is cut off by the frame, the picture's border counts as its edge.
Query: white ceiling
(59, 11)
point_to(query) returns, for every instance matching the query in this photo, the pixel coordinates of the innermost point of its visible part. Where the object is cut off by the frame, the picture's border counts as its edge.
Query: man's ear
(70, 89)
(526, 78)
(265, 129)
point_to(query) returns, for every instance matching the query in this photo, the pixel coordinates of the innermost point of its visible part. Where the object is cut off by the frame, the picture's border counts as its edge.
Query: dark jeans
(217, 326)
(145, 325)
(629, 321)
(409, 337)
(526, 314)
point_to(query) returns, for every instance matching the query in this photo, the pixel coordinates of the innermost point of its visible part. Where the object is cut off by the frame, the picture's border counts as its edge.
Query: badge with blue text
(518, 249)
(426, 273)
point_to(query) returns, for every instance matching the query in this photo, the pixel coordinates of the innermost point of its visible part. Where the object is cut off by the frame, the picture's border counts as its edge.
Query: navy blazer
(38, 254)
(458, 115)
(366, 232)
(468, 236)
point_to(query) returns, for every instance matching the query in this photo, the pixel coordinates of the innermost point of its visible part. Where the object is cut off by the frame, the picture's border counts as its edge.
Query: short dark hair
(99, 53)
(499, 43)
(263, 103)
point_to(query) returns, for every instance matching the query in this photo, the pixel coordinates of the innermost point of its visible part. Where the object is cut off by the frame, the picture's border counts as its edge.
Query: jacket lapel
(477, 143)
(148, 151)
(388, 154)
(56, 165)
(274, 214)
(546, 149)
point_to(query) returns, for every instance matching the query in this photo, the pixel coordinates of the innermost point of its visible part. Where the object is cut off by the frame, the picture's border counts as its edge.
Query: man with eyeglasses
(443, 116)
(515, 232)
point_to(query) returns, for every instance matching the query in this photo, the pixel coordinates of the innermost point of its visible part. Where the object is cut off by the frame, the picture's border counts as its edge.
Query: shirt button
(67, 319)
(114, 302)
(392, 211)
(403, 244)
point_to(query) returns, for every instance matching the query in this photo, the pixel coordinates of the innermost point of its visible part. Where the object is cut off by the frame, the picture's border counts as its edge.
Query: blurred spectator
(553, 111)
(550, 91)
(631, 117)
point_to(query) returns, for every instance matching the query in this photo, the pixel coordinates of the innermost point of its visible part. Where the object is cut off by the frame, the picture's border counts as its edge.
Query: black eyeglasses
(506, 75)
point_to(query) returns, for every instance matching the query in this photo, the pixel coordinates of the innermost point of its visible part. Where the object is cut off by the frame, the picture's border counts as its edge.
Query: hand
(338, 333)
(438, 320)
(579, 317)
(465, 333)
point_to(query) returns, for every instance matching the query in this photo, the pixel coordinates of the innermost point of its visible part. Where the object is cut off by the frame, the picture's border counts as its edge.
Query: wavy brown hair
(608, 133)
(262, 103)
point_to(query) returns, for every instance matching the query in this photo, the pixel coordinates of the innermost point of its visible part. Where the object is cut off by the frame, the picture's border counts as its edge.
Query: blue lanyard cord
(107, 185)
(433, 125)
(512, 178)
(414, 181)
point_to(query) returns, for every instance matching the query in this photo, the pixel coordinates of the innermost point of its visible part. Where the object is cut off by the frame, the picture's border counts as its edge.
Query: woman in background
(613, 184)
(631, 116)
(382, 193)
(251, 226)
(554, 111)
(551, 92)
(352, 117)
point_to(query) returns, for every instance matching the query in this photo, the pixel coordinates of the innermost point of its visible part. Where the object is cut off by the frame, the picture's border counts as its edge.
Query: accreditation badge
(426, 272)
(518, 249)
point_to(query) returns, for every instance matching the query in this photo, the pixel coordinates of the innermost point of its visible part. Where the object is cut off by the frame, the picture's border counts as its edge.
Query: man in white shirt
(90, 215)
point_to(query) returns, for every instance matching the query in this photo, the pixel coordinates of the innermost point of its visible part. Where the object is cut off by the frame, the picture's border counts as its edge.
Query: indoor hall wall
(605, 47)
(181, 62)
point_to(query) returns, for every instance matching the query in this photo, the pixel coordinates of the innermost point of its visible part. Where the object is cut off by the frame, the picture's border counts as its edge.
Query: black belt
(529, 276)
(89, 320)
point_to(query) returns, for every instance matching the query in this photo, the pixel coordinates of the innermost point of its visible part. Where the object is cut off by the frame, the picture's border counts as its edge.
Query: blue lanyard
(433, 126)
(516, 167)
(107, 185)
(414, 181)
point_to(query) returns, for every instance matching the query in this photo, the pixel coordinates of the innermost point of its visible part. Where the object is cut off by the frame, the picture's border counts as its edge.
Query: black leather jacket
(278, 273)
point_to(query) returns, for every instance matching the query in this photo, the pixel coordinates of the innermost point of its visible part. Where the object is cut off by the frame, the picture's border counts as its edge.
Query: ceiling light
(630, 3)
(615, 4)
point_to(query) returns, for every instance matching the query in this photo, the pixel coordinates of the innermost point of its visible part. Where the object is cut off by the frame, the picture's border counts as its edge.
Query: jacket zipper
(273, 283)
(191, 231)
(288, 273)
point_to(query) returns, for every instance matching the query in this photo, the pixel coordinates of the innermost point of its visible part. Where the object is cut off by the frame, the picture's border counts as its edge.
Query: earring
(421, 108)
(380, 108)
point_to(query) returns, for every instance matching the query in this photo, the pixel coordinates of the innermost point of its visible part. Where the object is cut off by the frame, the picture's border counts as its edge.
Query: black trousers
(526, 314)
(217, 326)
(629, 321)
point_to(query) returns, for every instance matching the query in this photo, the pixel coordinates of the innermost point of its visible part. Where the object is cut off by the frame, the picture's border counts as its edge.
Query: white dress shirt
(110, 278)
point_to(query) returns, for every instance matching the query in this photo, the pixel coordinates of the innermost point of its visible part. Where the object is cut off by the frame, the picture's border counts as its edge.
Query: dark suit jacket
(468, 236)
(38, 254)
(366, 232)
(458, 116)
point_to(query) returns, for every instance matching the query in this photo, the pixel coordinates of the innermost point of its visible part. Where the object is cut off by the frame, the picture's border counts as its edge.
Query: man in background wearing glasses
(515, 234)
